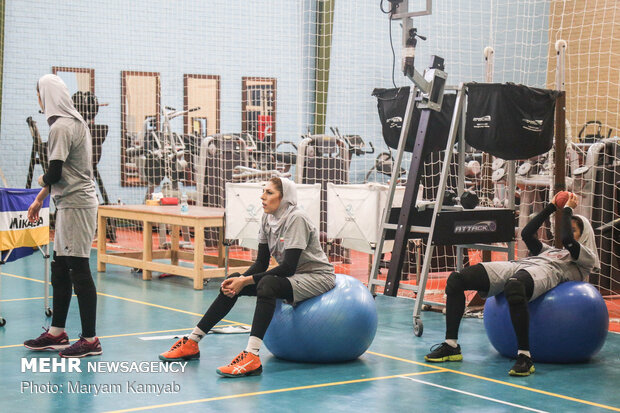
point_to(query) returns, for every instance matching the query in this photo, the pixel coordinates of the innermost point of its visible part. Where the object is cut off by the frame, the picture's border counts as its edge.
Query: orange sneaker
(184, 349)
(245, 364)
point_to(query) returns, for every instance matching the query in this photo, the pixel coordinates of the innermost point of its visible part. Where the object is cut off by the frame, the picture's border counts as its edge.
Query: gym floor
(391, 376)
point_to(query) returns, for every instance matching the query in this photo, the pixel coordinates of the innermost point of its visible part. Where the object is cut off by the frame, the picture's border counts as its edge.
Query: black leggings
(268, 289)
(68, 274)
(518, 290)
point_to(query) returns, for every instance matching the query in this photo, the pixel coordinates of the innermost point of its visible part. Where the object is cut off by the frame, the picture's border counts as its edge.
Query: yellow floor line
(560, 396)
(260, 393)
(21, 299)
(22, 277)
(131, 300)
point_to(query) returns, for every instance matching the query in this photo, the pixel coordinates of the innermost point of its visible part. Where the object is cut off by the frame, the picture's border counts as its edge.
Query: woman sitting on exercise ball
(522, 280)
(303, 272)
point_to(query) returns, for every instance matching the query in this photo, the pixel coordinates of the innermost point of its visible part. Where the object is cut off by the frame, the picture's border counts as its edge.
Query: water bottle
(184, 204)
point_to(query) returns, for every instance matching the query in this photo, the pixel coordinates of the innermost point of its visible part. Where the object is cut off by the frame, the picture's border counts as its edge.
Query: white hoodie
(70, 142)
(56, 99)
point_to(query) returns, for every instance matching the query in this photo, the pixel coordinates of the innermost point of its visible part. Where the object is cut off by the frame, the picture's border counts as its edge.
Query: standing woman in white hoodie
(69, 180)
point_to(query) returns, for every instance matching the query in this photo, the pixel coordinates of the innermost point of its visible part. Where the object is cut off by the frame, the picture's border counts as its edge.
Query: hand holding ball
(561, 198)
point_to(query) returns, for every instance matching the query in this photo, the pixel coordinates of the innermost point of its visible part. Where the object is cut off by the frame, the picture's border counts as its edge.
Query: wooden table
(198, 217)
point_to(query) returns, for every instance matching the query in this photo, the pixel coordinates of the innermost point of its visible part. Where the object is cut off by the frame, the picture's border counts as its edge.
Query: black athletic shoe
(444, 352)
(523, 367)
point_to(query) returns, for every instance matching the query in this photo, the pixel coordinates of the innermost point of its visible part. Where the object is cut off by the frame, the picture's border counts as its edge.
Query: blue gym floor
(391, 376)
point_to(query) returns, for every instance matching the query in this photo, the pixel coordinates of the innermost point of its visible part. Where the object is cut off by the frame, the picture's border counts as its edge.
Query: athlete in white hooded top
(303, 272)
(521, 281)
(69, 180)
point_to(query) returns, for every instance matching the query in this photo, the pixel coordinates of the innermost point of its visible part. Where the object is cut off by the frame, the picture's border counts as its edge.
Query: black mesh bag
(392, 104)
(510, 121)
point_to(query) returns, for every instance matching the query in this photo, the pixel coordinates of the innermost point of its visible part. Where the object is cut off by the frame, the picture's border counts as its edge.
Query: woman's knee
(268, 287)
(60, 274)
(514, 290)
(455, 283)
(82, 281)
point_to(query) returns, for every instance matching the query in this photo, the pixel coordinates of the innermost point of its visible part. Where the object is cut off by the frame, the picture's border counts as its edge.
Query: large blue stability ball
(568, 324)
(336, 326)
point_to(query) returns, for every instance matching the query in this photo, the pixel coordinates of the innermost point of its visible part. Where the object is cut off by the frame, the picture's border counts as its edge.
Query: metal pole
(559, 183)
(559, 173)
(46, 288)
(487, 186)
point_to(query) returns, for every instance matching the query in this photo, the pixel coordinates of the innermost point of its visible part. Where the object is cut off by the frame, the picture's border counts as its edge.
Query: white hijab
(56, 99)
(287, 205)
(587, 239)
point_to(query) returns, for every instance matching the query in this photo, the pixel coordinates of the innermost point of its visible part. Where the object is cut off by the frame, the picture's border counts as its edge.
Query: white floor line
(171, 337)
(475, 395)
(214, 330)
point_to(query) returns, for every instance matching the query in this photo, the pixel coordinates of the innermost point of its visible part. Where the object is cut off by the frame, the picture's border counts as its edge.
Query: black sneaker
(82, 348)
(46, 341)
(523, 367)
(444, 352)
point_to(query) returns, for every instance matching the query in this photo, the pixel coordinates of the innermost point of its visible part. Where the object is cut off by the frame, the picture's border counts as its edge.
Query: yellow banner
(30, 237)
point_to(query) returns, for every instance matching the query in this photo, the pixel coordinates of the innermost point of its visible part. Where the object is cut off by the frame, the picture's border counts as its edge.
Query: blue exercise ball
(568, 324)
(336, 326)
